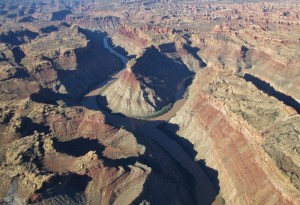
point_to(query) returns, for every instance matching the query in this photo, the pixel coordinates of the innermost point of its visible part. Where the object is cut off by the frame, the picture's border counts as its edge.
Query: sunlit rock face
(148, 85)
(232, 126)
(80, 125)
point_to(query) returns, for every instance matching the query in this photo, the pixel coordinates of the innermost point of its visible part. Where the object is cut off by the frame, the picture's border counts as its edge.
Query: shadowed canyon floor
(204, 191)
(153, 102)
(289, 101)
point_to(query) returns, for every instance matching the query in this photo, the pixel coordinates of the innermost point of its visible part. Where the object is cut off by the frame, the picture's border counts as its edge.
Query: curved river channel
(204, 190)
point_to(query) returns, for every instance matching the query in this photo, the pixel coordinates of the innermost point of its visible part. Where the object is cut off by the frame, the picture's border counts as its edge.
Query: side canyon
(149, 102)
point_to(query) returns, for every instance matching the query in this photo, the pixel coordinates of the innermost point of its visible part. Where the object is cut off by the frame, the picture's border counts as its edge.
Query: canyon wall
(148, 85)
(70, 69)
(230, 122)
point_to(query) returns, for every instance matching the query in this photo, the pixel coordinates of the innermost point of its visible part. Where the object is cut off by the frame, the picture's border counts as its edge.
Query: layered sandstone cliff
(70, 155)
(148, 85)
(103, 23)
(133, 40)
(231, 123)
(266, 55)
(69, 61)
(67, 154)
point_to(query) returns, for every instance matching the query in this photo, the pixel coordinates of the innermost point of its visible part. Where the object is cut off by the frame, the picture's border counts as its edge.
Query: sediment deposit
(138, 102)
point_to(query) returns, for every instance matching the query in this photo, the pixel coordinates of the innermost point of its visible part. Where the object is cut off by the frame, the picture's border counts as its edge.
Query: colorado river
(90, 100)
(122, 58)
(204, 190)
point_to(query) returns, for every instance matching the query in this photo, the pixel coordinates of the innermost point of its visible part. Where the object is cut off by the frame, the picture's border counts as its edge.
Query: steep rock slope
(56, 154)
(133, 40)
(15, 81)
(148, 85)
(35, 165)
(269, 56)
(69, 61)
(103, 23)
(59, 155)
(231, 123)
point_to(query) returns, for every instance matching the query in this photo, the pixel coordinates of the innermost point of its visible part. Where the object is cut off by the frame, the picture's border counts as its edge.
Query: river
(122, 58)
(204, 190)
(90, 99)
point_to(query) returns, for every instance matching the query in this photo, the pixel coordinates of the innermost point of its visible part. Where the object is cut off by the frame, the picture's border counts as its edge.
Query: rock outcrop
(70, 155)
(68, 61)
(149, 85)
(103, 23)
(229, 122)
(271, 58)
(56, 148)
(133, 40)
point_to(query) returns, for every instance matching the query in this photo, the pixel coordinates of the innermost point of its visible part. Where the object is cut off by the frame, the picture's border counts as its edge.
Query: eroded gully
(204, 190)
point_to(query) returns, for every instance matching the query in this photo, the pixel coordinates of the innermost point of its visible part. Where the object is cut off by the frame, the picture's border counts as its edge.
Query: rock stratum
(151, 85)
(149, 102)
(231, 126)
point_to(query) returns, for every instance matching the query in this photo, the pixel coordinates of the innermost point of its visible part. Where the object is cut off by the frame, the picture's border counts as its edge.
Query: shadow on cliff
(60, 15)
(48, 96)
(79, 147)
(156, 71)
(171, 130)
(161, 178)
(161, 73)
(28, 127)
(18, 37)
(168, 182)
(271, 91)
(69, 186)
(120, 50)
(18, 54)
(94, 64)
(194, 52)
(170, 49)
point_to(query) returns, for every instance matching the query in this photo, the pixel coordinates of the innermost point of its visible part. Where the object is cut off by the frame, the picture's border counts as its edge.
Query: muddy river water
(205, 192)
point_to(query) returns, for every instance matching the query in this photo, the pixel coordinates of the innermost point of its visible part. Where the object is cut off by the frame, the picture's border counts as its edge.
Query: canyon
(149, 102)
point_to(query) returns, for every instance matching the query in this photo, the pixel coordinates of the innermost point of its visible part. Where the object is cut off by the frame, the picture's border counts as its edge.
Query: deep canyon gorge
(149, 102)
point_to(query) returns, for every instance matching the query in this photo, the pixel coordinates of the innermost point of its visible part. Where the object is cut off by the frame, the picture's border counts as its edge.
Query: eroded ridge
(149, 102)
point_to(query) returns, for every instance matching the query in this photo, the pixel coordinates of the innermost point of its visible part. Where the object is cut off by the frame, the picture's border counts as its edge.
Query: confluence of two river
(204, 190)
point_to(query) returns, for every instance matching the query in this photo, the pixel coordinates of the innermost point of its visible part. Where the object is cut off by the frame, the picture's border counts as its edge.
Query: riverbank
(205, 192)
